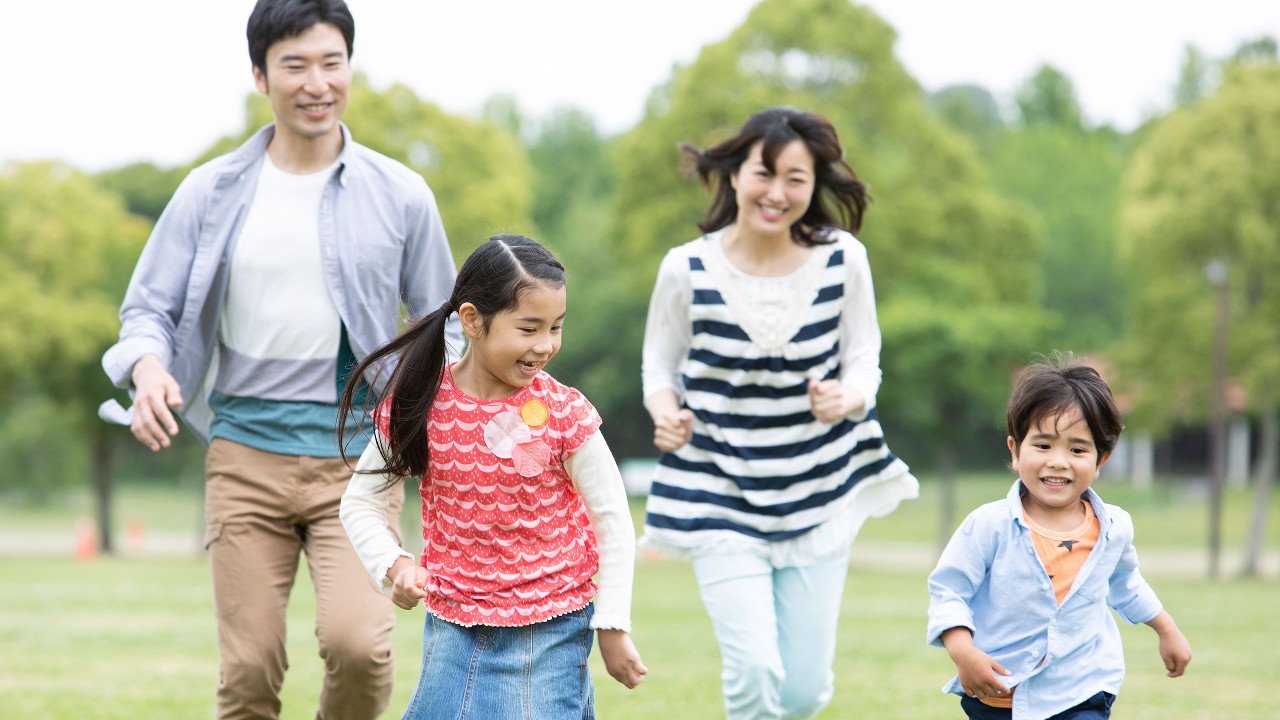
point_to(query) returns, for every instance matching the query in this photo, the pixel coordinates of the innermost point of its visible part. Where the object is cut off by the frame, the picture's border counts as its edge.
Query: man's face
(307, 78)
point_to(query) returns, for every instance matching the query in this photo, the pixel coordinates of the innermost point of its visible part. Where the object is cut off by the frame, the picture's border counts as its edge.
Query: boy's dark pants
(1097, 707)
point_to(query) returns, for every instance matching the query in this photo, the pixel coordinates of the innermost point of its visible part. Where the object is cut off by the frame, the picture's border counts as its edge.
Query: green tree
(68, 248)
(1049, 98)
(954, 263)
(146, 188)
(1202, 186)
(571, 208)
(972, 110)
(1194, 78)
(1069, 176)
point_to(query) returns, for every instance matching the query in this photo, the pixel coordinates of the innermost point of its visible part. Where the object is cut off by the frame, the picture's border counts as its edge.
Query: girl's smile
(508, 352)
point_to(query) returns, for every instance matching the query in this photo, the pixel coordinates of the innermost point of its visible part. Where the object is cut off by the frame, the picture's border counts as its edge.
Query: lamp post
(1216, 273)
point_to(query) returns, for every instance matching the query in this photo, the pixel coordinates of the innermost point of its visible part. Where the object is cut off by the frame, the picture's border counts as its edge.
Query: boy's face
(1057, 461)
(307, 78)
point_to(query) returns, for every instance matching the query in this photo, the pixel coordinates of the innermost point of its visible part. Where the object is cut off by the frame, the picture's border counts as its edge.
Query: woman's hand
(673, 430)
(830, 400)
(621, 658)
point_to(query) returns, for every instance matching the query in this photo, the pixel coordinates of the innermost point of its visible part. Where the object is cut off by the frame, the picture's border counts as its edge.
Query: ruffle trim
(871, 498)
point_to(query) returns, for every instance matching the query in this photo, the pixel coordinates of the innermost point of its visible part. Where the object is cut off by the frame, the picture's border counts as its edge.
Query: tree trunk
(1264, 477)
(947, 493)
(101, 471)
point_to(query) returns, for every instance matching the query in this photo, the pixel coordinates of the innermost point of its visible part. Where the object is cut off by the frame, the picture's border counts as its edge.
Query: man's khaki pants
(261, 511)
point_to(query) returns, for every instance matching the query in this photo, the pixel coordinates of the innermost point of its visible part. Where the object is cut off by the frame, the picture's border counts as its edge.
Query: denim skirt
(532, 672)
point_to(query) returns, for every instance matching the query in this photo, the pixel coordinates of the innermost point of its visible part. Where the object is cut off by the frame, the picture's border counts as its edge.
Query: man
(271, 271)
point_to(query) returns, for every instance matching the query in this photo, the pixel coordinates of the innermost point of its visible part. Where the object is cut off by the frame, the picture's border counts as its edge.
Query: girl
(522, 502)
(760, 369)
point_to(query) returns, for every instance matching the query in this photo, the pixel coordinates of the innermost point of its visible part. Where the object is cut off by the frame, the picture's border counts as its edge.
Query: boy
(1020, 595)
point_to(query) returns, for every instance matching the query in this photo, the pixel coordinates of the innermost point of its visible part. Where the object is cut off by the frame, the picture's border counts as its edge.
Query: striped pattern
(502, 549)
(759, 465)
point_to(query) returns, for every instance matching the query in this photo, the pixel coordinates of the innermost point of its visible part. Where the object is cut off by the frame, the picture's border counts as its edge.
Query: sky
(99, 84)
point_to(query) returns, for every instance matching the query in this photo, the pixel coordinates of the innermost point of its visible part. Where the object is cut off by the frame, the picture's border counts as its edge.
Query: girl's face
(505, 355)
(1057, 461)
(769, 203)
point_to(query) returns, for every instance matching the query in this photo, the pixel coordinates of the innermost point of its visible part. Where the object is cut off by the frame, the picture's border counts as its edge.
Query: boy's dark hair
(492, 279)
(839, 197)
(275, 20)
(1060, 385)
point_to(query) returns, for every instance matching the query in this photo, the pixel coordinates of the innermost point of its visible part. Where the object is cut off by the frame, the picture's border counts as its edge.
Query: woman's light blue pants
(777, 632)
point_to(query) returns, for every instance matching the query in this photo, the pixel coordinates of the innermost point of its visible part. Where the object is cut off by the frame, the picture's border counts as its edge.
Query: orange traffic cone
(135, 536)
(86, 540)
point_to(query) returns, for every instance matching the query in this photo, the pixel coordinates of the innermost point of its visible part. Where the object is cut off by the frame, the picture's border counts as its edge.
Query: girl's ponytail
(413, 387)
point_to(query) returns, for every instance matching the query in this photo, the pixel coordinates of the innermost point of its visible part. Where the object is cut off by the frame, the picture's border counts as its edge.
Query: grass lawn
(134, 637)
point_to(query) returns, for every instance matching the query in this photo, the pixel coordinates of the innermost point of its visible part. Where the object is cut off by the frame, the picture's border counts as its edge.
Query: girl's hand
(672, 431)
(828, 400)
(408, 583)
(621, 658)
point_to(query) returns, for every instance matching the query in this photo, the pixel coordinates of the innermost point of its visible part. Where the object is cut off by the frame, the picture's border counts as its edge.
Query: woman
(760, 369)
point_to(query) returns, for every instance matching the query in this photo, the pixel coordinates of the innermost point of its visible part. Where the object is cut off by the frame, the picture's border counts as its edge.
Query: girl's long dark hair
(492, 279)
(839, 197)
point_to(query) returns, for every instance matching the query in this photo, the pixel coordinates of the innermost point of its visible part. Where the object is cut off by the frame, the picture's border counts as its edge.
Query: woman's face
(769, 203)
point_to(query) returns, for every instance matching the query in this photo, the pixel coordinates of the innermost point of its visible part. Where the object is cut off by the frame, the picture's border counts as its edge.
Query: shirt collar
(253, 149)
(1013, 501)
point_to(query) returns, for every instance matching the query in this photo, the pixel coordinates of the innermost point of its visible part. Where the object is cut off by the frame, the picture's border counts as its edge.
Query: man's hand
(155, 392)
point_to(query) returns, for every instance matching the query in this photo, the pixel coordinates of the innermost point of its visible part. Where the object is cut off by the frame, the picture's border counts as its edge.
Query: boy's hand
(621, 658)
(1175, 651)
(672, 431)
(979, 674)
(408, 583)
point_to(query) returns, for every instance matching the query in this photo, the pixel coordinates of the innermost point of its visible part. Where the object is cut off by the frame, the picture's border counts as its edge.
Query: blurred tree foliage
(145, 187)
(1069, 176)
(972, 110)
(574, 188)
(955, 265)
(68, 248)
(1203, 185)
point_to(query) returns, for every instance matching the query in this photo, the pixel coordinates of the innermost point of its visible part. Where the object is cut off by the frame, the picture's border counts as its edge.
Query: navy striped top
(760, 465)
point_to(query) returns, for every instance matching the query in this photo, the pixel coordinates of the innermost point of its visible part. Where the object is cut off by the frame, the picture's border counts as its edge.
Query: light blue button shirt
(381, 242)
(990, 580)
